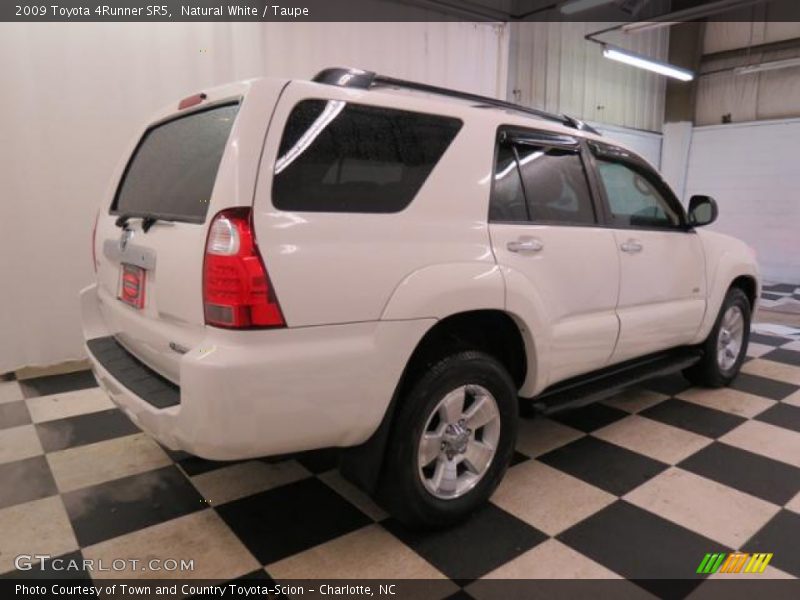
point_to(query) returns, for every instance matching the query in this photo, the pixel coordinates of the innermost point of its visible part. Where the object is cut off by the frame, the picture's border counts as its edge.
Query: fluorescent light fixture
(575, 6)
(768, 66)
(649, 64)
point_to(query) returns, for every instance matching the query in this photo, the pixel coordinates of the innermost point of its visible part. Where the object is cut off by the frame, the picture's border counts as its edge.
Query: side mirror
(702, 211)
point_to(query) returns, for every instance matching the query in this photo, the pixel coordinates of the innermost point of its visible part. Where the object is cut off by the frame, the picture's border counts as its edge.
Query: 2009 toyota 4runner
(393, 268)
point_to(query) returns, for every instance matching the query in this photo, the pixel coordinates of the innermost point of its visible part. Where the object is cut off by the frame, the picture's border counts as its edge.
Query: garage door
(752, 171)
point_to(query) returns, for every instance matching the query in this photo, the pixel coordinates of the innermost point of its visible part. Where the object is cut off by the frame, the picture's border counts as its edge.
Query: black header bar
(611, 11)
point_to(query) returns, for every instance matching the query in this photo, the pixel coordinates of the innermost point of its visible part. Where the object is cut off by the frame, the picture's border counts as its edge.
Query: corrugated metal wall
(752, 97)
(726, 35)
(552, 67)
(467, 56)
(750, 165)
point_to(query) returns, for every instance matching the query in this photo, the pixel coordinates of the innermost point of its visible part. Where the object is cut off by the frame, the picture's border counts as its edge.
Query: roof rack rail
(360, 79)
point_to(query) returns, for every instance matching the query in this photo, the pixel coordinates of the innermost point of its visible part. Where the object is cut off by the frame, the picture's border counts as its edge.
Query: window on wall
(341, 157)
(540, 184)
(633, 200)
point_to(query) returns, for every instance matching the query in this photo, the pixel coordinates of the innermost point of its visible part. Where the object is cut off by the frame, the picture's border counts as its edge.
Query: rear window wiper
(147, 222)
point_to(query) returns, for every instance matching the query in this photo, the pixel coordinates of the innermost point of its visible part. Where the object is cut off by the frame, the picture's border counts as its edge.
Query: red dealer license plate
(132, 288)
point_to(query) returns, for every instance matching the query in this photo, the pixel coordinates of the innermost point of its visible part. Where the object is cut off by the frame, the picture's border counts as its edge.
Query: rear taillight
(94, 241)
(237, 292)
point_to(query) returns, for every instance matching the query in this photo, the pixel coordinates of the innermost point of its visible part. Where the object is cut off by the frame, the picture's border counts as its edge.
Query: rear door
(151, 234)
(545, 227)
(662, 278)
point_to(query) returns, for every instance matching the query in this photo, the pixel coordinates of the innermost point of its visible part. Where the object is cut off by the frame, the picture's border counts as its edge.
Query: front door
(662, 268)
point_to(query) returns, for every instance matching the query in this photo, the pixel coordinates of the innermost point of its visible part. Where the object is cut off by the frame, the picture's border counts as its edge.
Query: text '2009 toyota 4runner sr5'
(392, 268)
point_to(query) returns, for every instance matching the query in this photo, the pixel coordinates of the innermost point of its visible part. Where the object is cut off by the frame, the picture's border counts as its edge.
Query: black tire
(708, 372)
(401, 488)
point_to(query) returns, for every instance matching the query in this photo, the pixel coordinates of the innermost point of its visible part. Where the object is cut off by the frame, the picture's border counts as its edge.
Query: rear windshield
(342, 157)
(172, 172)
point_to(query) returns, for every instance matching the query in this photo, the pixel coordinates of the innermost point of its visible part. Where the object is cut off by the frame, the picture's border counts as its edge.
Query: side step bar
(586, 389)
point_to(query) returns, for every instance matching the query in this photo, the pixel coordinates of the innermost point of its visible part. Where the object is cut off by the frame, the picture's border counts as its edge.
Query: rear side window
(508, 198)
(336, 156)
(540, 184)
(555, 185)
(173, 170)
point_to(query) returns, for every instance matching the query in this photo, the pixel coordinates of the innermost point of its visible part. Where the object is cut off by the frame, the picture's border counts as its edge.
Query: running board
(586, 389)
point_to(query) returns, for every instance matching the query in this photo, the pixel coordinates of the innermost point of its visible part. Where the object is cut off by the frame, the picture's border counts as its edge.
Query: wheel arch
(729, 270)
(749, 285)
(493, 331)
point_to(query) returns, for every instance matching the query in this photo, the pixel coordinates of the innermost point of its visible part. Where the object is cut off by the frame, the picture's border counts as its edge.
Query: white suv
(392, 268)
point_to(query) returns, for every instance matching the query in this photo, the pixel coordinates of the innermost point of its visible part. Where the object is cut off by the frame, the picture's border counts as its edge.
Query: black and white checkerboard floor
(781, 296)
(640, 486)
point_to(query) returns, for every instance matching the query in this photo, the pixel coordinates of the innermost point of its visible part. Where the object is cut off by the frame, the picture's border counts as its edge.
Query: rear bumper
(245, 394)
(132, 374)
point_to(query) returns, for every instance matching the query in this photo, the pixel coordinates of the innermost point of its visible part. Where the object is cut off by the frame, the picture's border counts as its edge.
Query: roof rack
(360, 79)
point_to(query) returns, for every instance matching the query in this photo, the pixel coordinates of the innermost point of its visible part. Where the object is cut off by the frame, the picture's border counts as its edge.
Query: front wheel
(451, 442)
(725, 348)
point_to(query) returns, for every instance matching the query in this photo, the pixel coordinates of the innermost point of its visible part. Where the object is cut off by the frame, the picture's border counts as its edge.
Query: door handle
(525, 245)
(632, 246)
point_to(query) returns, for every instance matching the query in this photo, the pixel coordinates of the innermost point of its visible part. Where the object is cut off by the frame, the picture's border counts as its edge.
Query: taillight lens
(94, 241)
(237, 292)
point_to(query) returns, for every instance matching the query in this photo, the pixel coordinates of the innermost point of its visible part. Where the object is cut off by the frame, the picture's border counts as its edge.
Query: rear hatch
(151, 233)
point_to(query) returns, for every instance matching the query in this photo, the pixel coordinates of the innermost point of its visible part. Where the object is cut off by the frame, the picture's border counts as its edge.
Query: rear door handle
(525, 245)
(632, 246)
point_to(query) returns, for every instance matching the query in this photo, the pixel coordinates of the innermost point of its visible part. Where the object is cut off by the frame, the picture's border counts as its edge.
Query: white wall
(74, 94)
(753, 171)
(675, 154)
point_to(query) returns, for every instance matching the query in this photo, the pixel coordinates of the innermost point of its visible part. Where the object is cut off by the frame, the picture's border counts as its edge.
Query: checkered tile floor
(781, 296)
(640, 486)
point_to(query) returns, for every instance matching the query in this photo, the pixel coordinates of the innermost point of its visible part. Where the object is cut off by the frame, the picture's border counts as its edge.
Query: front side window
(337, 156)
(633, 200)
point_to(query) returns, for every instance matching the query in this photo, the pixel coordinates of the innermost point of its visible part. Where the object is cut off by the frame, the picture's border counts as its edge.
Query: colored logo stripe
(758, 563)
(734, 563)
(755, 563)
(711, 563)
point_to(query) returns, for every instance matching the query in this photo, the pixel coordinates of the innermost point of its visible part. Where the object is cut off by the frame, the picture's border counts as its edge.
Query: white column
(675, 148)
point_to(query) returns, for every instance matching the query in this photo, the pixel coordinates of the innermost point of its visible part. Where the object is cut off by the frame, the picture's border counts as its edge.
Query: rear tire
(451, 442)
(725, 348)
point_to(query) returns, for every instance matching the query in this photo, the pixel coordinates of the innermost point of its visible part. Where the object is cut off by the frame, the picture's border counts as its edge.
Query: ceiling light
(768, 66)
(575, 6)
(643, 62)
